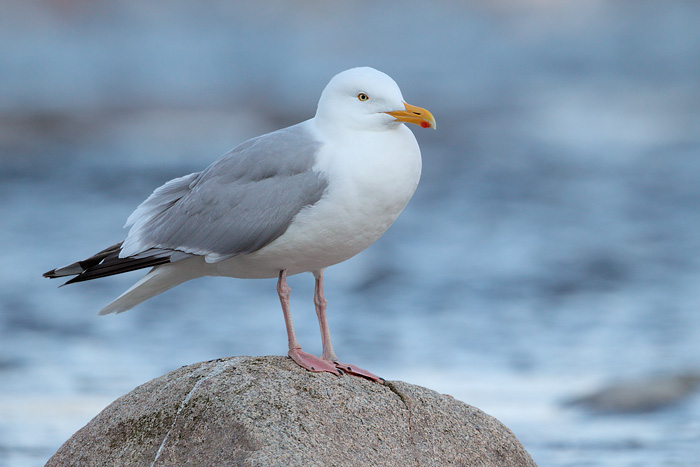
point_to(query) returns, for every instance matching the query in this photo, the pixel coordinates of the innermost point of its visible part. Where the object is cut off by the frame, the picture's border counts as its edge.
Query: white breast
(372, 176)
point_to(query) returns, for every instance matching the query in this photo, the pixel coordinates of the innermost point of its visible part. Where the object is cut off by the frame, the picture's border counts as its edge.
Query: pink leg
(321, 304)
(303, 359)
(328, 353)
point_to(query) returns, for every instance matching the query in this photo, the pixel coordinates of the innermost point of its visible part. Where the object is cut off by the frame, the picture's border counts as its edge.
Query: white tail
(158, 280)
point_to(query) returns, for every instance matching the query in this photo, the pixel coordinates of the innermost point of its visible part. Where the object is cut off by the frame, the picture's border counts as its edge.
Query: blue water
(552, 247)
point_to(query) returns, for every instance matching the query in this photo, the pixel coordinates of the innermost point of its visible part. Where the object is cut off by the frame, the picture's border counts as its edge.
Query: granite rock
(266, 411)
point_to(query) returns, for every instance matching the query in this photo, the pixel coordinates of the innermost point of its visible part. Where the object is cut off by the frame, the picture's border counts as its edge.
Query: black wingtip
(53, 274)
(70, 270)
(79, 267)
(107, 263)
(77, 278)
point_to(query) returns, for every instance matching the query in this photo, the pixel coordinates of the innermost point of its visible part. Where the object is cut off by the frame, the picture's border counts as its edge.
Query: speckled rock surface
(266, 411)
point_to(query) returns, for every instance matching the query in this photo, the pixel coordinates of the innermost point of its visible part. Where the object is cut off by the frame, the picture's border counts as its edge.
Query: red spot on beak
(425, 124)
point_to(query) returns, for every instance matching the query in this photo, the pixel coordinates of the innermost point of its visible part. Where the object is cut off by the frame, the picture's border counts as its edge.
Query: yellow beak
(414, 114)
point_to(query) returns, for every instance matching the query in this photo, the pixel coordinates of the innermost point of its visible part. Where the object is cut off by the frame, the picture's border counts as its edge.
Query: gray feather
(239, 204)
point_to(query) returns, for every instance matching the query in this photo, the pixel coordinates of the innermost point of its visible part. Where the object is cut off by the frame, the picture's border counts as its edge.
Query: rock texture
(266, 411)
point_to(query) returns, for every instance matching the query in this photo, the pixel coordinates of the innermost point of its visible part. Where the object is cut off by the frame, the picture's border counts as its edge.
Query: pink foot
(357, 371)
(312, 362)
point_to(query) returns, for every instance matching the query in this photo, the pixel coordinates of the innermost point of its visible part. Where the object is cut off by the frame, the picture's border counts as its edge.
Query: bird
(299, 199)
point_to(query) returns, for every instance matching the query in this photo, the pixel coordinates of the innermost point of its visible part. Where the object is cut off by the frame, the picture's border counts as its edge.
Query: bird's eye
(362, 96)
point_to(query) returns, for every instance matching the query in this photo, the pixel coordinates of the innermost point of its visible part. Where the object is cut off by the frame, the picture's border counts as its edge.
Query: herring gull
(296, 200)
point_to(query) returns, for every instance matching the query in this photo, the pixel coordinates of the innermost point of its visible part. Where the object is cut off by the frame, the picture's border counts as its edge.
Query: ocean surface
(552, 248)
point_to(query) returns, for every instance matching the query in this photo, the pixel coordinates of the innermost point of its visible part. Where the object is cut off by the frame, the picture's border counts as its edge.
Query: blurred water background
(552, 248)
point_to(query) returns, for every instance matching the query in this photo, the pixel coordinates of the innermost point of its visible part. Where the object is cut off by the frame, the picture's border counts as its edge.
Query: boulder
(267, 411)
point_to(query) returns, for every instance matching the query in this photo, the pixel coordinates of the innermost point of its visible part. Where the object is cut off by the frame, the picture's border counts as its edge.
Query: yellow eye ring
(363, 97)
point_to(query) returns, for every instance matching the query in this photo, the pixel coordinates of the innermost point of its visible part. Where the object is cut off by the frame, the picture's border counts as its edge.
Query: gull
(296, 200)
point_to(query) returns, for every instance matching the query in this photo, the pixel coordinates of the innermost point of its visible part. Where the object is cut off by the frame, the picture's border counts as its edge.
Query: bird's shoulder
(286, 152)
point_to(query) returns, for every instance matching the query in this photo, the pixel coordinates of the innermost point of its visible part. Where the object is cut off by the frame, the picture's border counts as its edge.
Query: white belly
(367, 190)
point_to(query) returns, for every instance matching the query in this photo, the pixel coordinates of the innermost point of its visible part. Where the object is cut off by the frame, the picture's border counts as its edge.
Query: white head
(366, 99)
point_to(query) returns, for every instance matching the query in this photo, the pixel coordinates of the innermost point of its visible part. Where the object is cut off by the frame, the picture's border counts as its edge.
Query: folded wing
(239, 204)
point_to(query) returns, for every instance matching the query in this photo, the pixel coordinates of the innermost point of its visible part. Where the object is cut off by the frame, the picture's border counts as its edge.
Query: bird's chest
(373, 199)
(368, 188)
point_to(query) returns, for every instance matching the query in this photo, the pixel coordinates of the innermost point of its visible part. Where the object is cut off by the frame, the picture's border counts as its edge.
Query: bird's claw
(357, 371)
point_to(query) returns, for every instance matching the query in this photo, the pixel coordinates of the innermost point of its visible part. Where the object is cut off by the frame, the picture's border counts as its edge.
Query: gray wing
(239, 204)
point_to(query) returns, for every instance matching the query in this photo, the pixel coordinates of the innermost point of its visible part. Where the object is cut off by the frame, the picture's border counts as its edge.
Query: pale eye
(362, 96)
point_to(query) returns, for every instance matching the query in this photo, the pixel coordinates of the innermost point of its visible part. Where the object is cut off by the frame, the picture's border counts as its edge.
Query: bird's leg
(303, 359)
(284, 291)
(320, 303)
(328, 353)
